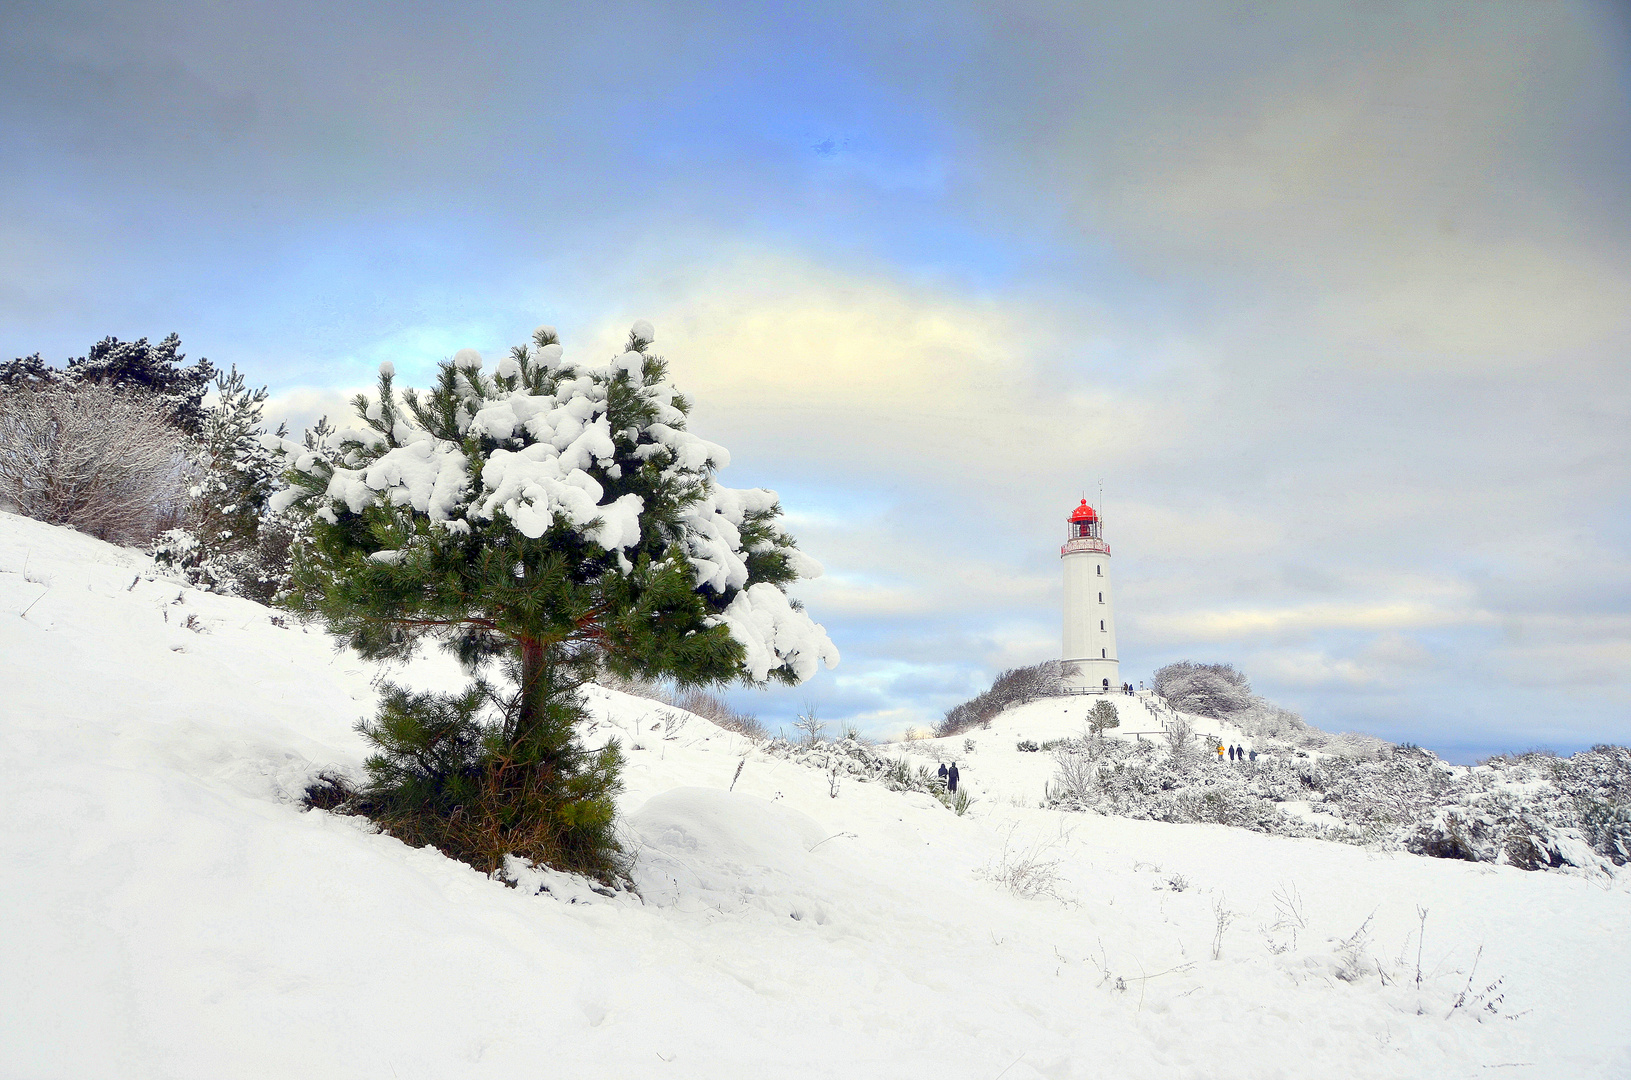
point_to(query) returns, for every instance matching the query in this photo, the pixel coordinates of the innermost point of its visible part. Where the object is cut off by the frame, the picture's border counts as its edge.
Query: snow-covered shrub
(1025, 870)
(1606, 826)
(553, 521)
(95, 458)
(1211, 690)
(1102, 717)
(1222, 692)
(228, 539)
(155, 374)
(1180, 737)
(810, 726)
(1016, 686)
(1074, 776)
(1531, 812)
(1352, 964)
(852, 759)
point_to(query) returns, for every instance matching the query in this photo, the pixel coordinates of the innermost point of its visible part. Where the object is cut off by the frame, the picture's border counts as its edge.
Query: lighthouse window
(1101, 624)
(1099, 567)
(1101, 598)
(1104, 654)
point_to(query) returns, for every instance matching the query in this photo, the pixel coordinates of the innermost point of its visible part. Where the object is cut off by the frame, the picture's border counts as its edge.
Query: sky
(1332, 301)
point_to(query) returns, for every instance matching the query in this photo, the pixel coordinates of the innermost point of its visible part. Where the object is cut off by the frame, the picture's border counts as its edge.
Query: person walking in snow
(952, 777)
(942, 774)
(1231, 753)
(1254, 757)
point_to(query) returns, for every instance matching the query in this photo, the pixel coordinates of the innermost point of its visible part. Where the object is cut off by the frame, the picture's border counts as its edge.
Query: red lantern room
(1084, 523)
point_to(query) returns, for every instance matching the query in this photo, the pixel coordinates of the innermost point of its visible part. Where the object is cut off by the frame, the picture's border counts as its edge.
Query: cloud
(301, 407)
(1239, 624)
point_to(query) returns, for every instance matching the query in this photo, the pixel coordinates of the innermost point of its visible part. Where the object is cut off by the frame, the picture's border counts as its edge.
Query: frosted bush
(99, 459)
(1016, 686)
(1532, 812)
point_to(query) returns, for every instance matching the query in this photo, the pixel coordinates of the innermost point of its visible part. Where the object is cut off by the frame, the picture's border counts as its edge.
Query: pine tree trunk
(534, 687)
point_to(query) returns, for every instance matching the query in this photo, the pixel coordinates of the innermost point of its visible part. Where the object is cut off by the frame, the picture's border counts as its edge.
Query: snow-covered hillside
(1535, 811)
(169, 911)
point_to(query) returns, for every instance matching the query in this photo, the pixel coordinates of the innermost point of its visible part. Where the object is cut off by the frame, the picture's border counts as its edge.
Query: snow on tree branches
(228, 539)
(561, 521)
(591, 461)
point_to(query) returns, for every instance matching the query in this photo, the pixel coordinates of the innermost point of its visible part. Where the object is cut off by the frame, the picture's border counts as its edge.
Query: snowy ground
(998, 769)
(168, 911)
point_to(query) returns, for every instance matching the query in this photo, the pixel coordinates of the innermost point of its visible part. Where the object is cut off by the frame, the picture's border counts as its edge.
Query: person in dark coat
(1254, 756)
(1231, 753)
(952, 777)
(942, 774)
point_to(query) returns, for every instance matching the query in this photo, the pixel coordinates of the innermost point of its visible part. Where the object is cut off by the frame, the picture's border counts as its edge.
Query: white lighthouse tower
(1090, 657)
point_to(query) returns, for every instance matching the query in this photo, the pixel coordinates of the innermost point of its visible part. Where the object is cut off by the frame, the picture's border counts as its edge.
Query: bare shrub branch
(95, 458)
(810, 726)
(1025, 872)
(698, 702)
(1180, 736)
(1074, 776)
(1222, 917)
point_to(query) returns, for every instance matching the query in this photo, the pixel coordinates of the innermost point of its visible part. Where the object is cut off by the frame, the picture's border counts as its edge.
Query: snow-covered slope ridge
(1570, 815)
(168, 911)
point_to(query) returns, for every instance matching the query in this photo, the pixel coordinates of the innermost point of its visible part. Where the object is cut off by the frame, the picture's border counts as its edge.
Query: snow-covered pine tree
(1102, 716)
(28, 373)
(228, 539)
(549, 519)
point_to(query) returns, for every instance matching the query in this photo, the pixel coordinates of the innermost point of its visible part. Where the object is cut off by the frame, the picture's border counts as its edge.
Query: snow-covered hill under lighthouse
(169, 911)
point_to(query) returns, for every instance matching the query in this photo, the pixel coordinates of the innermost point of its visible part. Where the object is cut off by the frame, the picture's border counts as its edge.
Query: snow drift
(169, 910)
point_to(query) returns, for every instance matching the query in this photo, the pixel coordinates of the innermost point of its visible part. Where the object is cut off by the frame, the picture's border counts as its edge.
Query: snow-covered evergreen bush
(1102, 717)
(553, 520)
(1180, 737)
(228, 539)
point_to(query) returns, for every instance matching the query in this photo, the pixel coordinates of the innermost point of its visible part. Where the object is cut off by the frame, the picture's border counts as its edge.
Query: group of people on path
(1237, 753)
(948, 777)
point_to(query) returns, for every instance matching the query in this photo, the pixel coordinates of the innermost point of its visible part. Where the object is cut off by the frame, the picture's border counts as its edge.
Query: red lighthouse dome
(1084, 525)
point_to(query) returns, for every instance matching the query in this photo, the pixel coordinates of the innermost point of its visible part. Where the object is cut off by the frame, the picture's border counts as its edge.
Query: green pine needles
(543, 522)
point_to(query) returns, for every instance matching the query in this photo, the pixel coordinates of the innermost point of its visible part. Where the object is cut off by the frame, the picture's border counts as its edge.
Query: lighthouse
(1090, 660)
